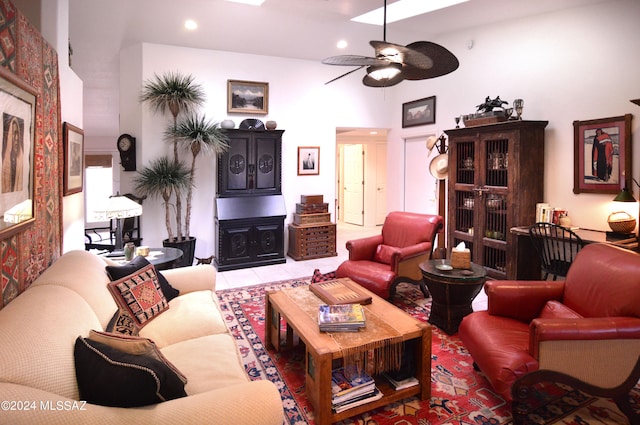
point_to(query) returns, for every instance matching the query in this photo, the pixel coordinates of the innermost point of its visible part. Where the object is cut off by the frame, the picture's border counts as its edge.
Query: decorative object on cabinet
(419, 112)
(518, 105)
(127, 148)
(251, 124)
(73, 157)
(312, 234)
(602, 155)
(247, 97)
(486, 114)
(308, 160)
(271, 125)
(495, 181)
(227, 124)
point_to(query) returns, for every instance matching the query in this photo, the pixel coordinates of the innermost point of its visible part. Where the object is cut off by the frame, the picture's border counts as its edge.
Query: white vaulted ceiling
(303, 29)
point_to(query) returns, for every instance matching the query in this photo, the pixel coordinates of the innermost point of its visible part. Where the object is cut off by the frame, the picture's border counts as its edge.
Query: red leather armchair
(586, 327)
(380, 262)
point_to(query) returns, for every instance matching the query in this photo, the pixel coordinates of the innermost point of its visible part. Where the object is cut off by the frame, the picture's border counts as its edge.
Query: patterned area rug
(460, 395)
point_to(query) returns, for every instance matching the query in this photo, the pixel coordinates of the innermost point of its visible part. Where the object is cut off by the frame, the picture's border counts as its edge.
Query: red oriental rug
(460, 395)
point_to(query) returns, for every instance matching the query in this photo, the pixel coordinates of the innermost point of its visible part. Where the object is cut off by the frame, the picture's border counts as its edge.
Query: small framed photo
(602, 155)
(308, 160)
(419, 112)
(247, 97)
(73, 159)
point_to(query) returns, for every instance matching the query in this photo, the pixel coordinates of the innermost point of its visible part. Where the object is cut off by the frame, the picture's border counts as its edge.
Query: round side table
(452, 292)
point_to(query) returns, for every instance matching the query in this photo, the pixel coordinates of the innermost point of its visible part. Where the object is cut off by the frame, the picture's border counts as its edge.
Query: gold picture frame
(73, 159)
(247, 97)
(18, 112)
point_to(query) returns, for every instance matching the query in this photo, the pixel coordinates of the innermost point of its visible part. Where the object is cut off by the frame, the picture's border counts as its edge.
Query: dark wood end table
(452, 292)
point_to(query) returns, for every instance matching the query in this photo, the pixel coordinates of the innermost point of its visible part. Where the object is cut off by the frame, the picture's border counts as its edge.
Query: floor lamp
(118, 207)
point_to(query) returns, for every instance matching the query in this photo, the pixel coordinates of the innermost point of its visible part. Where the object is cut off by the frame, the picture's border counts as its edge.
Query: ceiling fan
(394, 63)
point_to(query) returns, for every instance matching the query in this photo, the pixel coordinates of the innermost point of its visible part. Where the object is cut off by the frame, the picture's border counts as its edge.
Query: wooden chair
(556, 246)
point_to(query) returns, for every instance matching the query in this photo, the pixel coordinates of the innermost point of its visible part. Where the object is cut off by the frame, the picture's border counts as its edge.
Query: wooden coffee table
(296, 307)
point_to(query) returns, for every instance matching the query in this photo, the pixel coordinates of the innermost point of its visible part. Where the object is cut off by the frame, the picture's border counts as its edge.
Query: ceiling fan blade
(345, 74)
(372, 82)
(353, 60)
(401, 54)
(444, 62)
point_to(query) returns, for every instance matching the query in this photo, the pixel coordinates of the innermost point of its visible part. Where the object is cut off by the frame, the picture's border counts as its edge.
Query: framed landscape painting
(602, 155)
(419, 112)
(247, 97)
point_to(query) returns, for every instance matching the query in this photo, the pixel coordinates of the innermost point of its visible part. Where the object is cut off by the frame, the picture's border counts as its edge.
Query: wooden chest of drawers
(309, 241)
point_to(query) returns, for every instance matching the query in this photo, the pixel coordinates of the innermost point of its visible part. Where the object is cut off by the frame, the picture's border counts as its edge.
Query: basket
(622, 225)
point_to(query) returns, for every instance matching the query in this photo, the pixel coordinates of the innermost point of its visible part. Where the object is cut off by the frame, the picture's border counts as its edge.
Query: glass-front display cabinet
(496, 177)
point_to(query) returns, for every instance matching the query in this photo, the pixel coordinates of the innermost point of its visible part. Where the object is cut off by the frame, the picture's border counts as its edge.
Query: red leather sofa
(587, 326)
(380, 262)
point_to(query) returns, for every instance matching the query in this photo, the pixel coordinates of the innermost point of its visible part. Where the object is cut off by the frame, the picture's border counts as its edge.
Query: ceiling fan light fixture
(384, 72)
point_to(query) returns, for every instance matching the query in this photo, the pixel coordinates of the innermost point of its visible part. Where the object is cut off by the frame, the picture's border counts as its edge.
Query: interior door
(381, 183)
(354, 184)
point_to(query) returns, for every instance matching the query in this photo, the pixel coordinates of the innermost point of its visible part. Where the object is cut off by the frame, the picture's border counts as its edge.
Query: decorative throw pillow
(110, 377)
(140, 295)
(134, 345)
(322, 277)
(118, 272)
(384, 254)
(122, 323)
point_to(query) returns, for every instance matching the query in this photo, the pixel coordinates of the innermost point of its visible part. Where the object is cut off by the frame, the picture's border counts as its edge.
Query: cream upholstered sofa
(39, 328)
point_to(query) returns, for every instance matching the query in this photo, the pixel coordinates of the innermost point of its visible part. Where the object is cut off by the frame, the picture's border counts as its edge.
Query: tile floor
(293, 269)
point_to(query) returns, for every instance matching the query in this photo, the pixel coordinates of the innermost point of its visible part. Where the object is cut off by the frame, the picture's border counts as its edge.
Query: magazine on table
(341, 318)
(401, 384)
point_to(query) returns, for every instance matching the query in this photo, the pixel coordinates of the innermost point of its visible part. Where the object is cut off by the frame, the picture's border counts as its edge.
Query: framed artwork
(602, 155)
(18, 110)
(419, 112)
(247, 97)
(73, 159)
(308, 160)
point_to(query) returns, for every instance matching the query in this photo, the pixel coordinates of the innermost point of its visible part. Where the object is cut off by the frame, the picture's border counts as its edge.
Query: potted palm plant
(198, 135)
(178, 94)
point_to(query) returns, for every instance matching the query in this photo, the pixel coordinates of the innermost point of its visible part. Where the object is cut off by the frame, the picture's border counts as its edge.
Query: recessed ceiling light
(404, 9)
(190, 24)
(342, 44)
(251, 2)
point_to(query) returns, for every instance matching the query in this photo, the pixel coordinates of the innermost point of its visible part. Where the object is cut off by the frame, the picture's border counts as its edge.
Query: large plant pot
(188, 247)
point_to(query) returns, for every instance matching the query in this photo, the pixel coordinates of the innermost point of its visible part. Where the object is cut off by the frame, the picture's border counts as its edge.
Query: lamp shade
(117, 207)
(624, 196)
(384, 72)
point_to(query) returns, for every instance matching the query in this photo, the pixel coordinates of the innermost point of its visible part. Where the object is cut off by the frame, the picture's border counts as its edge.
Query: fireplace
(249, 231)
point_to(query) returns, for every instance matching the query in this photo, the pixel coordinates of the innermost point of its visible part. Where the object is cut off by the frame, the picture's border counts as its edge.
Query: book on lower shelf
(401, 384)
(351, 387)
(341, 318)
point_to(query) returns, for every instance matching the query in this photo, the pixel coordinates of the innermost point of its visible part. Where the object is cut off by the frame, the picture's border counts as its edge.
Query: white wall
(56, 32)
(302, 105)
(579, 64)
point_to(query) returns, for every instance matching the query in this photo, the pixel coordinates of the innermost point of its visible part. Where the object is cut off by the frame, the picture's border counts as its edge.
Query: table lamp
(118, 207)
(626, 196)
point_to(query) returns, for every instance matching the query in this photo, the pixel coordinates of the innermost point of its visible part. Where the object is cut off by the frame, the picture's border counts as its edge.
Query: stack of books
(341, 318)
(401, 384)
(350, 388)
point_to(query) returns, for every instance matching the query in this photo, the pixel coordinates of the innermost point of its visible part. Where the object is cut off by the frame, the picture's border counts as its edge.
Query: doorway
(361, 177)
